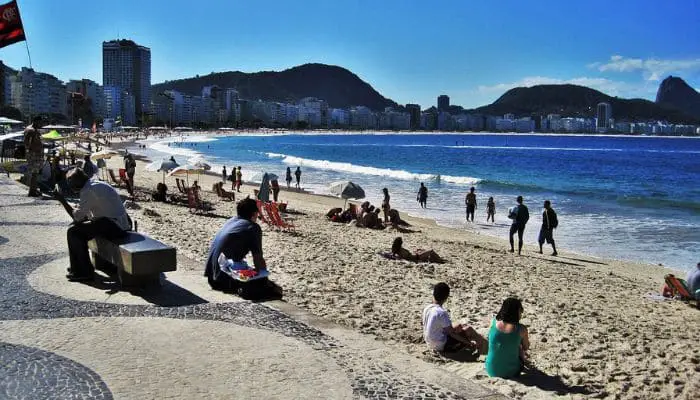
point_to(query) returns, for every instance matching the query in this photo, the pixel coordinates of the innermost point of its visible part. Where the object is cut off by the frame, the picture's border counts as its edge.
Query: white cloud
(652, 69)
(607, 86)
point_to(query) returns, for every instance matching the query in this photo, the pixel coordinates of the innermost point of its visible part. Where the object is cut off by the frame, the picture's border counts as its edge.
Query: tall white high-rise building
(36, 93)
(127, 65)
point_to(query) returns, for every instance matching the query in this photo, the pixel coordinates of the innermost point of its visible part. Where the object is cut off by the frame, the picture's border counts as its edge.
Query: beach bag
(513, 212)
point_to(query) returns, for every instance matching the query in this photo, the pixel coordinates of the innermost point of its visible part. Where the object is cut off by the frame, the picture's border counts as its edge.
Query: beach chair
(220, 191)
(194, 202)
(678, 287)
(274, 213)
(115, 180)
(179, 186)
(261, 212)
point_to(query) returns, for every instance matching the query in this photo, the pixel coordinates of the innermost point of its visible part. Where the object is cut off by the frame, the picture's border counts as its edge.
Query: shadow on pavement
(167, 294)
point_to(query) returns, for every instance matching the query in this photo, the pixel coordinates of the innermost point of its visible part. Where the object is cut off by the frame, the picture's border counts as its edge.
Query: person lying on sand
(509, 341)
(441, 335)
(419, 256)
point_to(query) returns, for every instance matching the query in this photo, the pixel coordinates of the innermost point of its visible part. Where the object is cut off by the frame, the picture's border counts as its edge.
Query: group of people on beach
(236, 177)
(505, 347)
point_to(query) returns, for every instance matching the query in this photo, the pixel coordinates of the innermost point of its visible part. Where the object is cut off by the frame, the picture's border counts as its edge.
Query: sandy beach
(594, 330)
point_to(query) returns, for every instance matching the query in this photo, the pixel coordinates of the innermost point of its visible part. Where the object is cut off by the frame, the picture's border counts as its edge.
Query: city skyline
(473, 70)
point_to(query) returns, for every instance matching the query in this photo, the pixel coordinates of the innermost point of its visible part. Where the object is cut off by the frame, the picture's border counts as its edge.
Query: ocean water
(631, 198)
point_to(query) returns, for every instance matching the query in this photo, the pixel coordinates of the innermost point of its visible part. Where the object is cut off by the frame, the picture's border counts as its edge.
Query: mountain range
(676, 101)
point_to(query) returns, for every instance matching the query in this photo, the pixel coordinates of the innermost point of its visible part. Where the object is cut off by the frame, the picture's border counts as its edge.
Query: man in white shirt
(441, 334)
(101, 212)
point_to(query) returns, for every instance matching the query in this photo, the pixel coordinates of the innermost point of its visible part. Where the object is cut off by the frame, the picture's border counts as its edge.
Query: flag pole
(26, 43)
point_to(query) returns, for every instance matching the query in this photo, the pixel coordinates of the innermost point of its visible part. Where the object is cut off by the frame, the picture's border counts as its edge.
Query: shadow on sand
(534, 377)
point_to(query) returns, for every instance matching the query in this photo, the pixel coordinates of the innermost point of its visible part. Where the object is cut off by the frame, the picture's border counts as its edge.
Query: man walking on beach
(549, 222)
(520, 215)
(223, 174)
(441, 335)
(470, 201)
(235, 239)
(34, 154)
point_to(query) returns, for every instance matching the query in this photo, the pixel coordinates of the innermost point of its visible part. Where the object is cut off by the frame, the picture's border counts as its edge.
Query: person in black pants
(100, 213)
(520, 215)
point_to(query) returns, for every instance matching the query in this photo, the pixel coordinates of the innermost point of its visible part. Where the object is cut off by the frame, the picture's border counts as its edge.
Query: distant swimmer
(520, 215)
(549, 223)
(422, 197)
(470, 202)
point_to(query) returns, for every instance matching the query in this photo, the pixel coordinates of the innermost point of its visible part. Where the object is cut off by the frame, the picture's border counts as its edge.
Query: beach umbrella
(103, 154)
(9, 121)
(347, 190)
(185, 170)
(53, 135)
(264, 191)
(100, 157)
(199, 163)
(164, 165)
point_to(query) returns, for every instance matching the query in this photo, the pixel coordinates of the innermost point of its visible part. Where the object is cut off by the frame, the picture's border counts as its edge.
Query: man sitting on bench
(236, 238)
(100, 213)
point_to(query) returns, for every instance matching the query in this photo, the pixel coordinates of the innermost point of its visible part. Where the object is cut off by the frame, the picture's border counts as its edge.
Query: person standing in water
(520, 215)
(549, 222)
(239, 179)
(385, 204)
(491, 210)
(288, 178)
(470, 202)
(297, 174)
(423, 196)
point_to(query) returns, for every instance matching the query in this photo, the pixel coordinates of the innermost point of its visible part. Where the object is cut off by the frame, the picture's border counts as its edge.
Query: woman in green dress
(508, 341)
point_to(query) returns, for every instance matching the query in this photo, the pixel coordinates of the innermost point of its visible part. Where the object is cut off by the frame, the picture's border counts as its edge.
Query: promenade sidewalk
(72, 340)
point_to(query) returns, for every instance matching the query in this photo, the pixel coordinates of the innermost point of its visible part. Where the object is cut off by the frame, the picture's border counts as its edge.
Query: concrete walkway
(71, 340)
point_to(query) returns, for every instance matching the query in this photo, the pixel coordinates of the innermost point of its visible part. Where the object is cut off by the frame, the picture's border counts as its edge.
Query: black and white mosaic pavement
(29, 373)
(19, 301)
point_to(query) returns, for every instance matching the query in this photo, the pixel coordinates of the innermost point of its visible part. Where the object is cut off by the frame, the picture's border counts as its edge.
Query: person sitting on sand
(333, 212)
(419, 256)
(508, 341)
(441, 335)
(235, 239)
(369, 217)
(160, 193)
(378, 224)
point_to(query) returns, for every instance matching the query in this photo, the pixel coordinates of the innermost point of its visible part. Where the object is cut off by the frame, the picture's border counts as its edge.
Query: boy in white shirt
(441, 334)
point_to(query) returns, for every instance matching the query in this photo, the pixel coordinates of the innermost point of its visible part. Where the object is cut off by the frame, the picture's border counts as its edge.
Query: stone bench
(139, 259)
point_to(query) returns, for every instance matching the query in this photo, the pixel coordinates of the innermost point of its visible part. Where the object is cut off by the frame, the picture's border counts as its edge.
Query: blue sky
(410, 51)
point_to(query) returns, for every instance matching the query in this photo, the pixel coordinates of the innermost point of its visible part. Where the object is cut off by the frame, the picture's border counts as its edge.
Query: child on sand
(441, 334)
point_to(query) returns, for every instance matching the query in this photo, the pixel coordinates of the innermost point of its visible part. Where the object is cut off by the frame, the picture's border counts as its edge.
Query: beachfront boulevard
(72, 340)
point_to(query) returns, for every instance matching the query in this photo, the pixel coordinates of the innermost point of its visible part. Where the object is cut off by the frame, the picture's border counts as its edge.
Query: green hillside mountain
(337, 86)
(579, 101)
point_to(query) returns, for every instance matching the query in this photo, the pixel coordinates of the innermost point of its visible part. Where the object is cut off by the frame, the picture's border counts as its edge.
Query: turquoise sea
(632, 198)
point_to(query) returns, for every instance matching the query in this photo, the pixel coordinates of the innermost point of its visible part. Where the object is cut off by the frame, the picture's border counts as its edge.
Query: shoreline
(590, 319)
(477, 228)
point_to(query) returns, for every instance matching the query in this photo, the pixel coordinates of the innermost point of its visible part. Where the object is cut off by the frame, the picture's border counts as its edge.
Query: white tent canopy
(9, 121)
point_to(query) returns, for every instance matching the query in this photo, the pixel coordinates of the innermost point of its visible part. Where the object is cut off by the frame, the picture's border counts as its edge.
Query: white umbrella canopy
(164, 165)
(103, 154)
(200, 164)
(9, 121)
(347, 190)
(185, 170)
